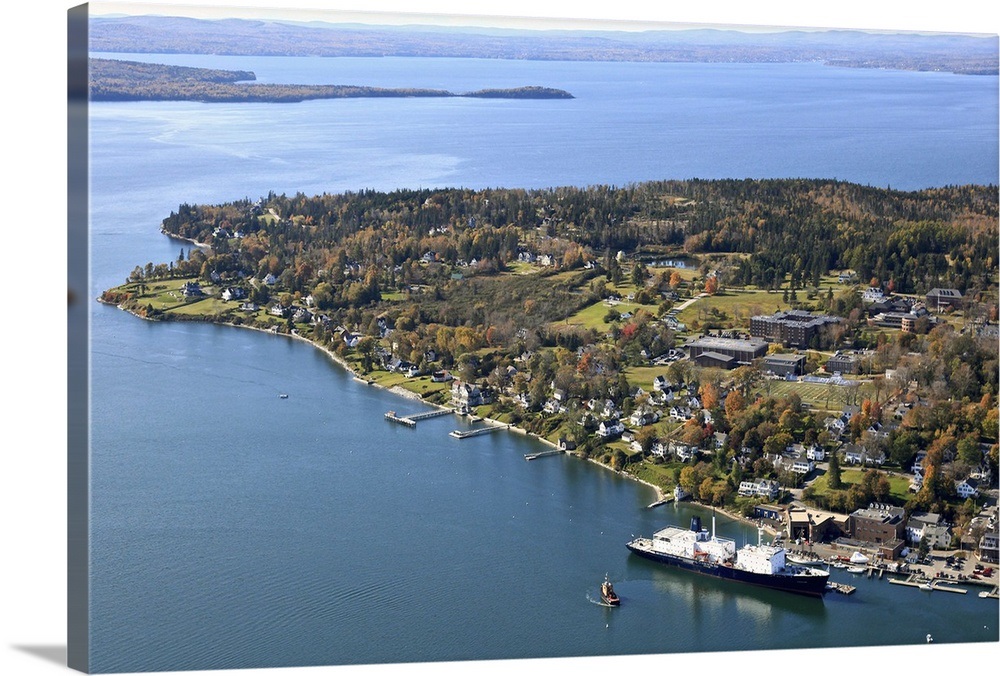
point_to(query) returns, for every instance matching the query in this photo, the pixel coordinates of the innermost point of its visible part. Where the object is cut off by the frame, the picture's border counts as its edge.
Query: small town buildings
(881, 525)
(816, 525)
(945, 299)
(608, 429)
(796, 328)
(987, 549)
(741, 351)
(466, 395)
(929, 527)
(784, 364)
(967, 488)
(233, 293)
(843, 363)
(760, 488)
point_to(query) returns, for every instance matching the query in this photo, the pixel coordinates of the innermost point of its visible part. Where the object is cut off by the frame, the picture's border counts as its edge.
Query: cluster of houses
(885, 528)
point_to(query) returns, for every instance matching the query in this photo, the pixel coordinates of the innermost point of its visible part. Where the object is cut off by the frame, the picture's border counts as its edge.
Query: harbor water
(235, 528)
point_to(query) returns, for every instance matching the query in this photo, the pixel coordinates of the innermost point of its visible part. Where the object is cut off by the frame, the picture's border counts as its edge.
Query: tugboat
(608, 594)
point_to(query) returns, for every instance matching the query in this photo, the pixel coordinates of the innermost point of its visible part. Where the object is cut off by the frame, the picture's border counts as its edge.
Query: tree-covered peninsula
(114, 80)
(576, 313)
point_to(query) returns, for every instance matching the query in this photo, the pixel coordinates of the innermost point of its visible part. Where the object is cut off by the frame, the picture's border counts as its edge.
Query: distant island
(114, 80)
(943, 52)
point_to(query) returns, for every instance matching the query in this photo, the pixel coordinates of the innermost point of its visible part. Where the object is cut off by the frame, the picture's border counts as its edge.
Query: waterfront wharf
(411, 420)
(542, 454)
(391, 416)
(458, 434)
(915, 580)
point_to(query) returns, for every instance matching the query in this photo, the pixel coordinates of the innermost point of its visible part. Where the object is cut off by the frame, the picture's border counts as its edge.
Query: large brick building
(881, 525)
(795, 328)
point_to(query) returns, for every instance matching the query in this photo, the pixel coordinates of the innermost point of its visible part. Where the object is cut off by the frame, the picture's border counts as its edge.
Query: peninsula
(114, 80)
(731, 339)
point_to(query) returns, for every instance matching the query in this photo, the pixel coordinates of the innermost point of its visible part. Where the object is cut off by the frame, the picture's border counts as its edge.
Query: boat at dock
(699, 551)
(856, 570)
(608, 594)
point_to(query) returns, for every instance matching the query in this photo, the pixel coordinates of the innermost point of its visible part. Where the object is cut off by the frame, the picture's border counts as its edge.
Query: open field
(818, 395)
(736, 306)
(898, 485)
(592, 316)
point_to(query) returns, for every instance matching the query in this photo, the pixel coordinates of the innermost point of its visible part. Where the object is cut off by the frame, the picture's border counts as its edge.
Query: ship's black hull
(805, 585)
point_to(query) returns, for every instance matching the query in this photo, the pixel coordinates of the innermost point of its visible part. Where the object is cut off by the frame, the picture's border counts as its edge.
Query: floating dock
(841, 588)
(459, 434)
(660, 502)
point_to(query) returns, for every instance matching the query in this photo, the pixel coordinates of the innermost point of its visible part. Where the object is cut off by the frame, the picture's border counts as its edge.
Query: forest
(114, 80)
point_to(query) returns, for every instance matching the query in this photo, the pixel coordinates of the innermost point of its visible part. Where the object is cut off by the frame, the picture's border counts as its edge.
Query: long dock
(923, 583)
(458, 434)
(411, 420)
(542, 454)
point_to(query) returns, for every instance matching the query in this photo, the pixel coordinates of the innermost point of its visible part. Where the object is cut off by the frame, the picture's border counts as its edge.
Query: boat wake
(598, 601)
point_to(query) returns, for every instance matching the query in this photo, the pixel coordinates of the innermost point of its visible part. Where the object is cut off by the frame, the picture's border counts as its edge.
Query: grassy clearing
(592, 316)
(736, 307)
(898, 485)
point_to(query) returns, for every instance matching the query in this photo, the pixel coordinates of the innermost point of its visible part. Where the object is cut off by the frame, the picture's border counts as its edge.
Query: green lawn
(817, 395)
(898, 485)
(737, 306)
(592, 316)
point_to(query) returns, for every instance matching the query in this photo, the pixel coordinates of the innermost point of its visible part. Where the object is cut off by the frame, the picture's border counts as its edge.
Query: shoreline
(413, 396)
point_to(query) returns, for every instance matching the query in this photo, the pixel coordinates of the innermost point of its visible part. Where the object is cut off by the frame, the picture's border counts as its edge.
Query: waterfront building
(879, 525)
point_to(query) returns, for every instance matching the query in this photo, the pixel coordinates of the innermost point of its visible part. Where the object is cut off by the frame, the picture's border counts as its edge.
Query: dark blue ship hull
(806, 585)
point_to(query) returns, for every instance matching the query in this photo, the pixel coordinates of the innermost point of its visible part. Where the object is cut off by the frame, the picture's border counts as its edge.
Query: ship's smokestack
(696, 524)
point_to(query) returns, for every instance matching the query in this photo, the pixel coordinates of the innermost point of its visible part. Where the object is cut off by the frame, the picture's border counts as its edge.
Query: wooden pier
(430, 414)
(660, 502)
(459, 434)
(391, 416)
(542, 454)
(411, 420)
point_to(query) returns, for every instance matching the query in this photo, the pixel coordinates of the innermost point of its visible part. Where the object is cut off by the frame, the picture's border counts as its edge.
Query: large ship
(702, 552)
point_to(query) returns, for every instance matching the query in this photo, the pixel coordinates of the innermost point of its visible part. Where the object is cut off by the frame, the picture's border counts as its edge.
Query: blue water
(232, 528)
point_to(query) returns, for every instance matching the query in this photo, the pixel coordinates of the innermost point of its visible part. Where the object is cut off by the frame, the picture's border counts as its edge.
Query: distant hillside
(909, 51)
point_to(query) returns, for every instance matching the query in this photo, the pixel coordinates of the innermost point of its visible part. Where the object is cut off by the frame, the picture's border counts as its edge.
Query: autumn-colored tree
(709, 394)
(735, 404)
(675, 279)
(711, 285)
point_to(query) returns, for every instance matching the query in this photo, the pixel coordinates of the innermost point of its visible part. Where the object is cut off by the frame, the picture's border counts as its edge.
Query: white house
(610, 428)
(969, 488)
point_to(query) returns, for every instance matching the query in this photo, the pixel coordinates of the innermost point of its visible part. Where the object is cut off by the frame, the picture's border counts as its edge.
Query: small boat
(282, 396)
(857, 570)
(926, 586)
(984, 594)
(608, 594)
(930, 639)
